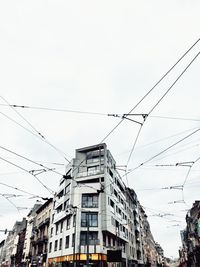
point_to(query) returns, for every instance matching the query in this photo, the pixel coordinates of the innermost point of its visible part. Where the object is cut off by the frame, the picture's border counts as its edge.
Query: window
(66, 204)
(94, 170)
(73, 240)
(89, 219)
(68, 224)
(59, 209)
(50, 247)
(51, 232)
(67, 241)
(109, 241)
(60, 244)
(67, 189)
(56, 228)
(61, 226)
(104, 240)
(52, 218)
(74, 220)
(56, 245)
(92, 238)
(89, 201)
(94, 156)
(112, 204)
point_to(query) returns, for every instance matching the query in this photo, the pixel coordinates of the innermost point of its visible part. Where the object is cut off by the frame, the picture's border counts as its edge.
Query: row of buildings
(93, 219)
(190, 251)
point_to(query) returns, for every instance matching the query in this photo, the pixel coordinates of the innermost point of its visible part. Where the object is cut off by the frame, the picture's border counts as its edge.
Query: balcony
(90, 173)
(61, 215)
(59, 201)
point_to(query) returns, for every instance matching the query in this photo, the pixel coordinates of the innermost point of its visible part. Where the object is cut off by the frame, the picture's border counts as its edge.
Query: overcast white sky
(101, 56)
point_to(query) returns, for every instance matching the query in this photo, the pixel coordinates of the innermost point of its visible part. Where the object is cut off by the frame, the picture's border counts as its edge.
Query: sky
(101, 57)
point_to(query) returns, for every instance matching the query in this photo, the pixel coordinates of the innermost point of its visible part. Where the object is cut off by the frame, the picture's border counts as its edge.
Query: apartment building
(31, 217)
(2, 252)
(11, 242)
(95, 218)
(190, 253)
(39, 236)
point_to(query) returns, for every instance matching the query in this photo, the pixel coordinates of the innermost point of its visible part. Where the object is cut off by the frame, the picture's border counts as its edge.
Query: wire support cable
(157, 83)
(163, 151)
(37, 133)
(177, 79)
(13, 204)
(35, 176)
(21, 190)
(55, 109)
(32, 161)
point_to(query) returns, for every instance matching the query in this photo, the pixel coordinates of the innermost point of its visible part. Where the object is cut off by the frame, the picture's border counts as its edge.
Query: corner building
(93, 213)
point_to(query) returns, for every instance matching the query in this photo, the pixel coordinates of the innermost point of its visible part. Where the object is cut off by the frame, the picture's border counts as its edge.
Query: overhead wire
(56, 109)
(159, 101)
(32, 161)
(38, 134)
(21, 190)
(13, 204)
(177, 79)
(175, 118)
(158, 82)
(163, 151)
(35, 176)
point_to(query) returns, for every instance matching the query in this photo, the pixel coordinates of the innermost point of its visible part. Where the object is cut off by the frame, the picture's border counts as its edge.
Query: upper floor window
(68, 223)
(92, 238)
(56, 245)
(51, 234)
(89, 219)
(60, 244)
(89, 201)
(95, 156)
(94, 170)
(67, 241)
(50, 247)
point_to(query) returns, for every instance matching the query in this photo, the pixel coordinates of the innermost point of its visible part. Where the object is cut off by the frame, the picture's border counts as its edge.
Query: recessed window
(67, 241)
(60, 244)
(68, 224)
(92, 238)
(89, 201)
(89, 219)
(50, 247)
(56, 245)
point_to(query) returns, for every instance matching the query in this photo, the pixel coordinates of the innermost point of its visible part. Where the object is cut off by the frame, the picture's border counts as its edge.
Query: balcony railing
(61, 215)
(90, 173)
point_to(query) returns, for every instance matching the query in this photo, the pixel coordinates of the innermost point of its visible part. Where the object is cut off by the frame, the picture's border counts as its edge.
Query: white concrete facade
(94, 212)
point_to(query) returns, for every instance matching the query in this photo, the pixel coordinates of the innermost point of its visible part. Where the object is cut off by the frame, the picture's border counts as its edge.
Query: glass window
(61, 227)
(56, 228)
(66, 204)
(73, 239)
(60, 244)
(92, 238)
(50, 246)
(94, 170)
(89, 219)
(51, 232)
(67, 241)
(89, 201)
(56, 245)
(74, 220)
(68, 224)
